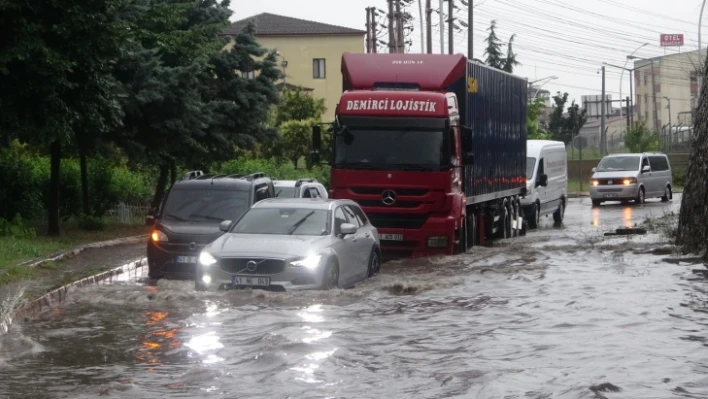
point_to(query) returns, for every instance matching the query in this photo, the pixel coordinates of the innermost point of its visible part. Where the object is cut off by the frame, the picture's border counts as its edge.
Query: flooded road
(560, 313)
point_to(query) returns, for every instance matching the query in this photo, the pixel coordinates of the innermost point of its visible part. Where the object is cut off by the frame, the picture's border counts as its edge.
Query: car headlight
(206, 259)
(159, 236)
(310, 261)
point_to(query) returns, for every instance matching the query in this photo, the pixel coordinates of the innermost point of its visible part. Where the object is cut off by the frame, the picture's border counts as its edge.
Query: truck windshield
(373, 148)
(618, 164)
(530, 163)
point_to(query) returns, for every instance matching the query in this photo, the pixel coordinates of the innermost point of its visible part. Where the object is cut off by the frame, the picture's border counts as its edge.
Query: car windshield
(530, 164)
(408, 149)
(285, 192)
(205, 205)
(618, 164)
(284, 221)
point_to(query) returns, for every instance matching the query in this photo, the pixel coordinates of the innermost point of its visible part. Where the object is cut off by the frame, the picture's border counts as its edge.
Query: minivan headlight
(629, 181)
(595, 182)
(206, 259)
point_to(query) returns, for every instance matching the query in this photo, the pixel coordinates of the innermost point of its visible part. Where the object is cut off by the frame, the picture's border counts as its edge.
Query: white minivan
(546, 181)
(631, 177)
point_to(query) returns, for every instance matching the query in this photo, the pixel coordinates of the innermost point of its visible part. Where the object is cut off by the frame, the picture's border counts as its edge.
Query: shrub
(16, 228)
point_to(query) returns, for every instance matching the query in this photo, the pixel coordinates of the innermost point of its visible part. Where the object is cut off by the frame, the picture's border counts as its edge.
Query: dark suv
(190, 216)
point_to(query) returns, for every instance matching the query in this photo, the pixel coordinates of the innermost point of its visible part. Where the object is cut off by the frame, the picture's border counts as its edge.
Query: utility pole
(368, 30)
(399, 29)
(450, 31)
(602, 116)
(374, 31)
(470, 30)
(629, 122)
(422, 29)
(669, 100)
(442, 27)
(428, 27)
(653, 94)
(391, 40)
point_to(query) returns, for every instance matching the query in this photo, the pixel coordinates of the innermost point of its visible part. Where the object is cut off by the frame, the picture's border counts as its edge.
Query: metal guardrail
(128, 213)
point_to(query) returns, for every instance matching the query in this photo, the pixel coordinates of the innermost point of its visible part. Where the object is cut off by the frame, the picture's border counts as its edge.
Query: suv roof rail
(305, 180)
(253, 176)
(233, 176)
(194, 174)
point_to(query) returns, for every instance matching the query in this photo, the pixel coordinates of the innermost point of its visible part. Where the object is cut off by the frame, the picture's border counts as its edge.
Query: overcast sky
(568, 39)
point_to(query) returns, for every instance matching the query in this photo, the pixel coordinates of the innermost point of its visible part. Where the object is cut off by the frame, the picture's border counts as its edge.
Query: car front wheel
(374, 263)
(330, 279)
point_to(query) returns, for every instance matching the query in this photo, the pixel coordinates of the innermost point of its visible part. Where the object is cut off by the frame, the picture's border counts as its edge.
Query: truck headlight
(206, 259)
(310, 261)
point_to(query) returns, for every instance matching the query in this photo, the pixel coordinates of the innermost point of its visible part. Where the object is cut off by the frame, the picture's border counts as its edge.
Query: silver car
(292, 244)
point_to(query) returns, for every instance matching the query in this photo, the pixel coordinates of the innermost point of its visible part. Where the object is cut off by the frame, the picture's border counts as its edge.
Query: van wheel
(596, 202)
(535, 217)
(640, 196)
(668, 195)
(559, 213)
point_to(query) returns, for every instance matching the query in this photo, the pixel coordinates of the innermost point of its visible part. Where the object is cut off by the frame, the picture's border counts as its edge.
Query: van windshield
(618, 164)
(530, 164)
(205, 205)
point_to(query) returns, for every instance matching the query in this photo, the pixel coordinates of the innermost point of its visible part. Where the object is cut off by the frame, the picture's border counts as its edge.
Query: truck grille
(411, 192)
(397, 220)
(263, 266)
(397, 204)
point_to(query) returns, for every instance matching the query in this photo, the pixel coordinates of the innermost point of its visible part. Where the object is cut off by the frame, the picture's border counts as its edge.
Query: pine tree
(494, 57)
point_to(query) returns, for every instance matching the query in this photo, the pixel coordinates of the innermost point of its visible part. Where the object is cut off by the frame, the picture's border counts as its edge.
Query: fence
(129, 214)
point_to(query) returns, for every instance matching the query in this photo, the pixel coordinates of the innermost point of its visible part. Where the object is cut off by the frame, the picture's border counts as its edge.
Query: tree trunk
(54, 184)
(84, 181)
(160, 188)
(693, 217)
(173, 173)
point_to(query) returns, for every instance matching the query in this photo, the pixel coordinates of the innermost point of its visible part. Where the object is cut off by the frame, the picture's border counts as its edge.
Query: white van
(632, 177)
(546, 181)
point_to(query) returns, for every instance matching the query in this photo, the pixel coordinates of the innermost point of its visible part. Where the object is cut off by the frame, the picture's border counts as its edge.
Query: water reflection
(596, 217)
(628, 216)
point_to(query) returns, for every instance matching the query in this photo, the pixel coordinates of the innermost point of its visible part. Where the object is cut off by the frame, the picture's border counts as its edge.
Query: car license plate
(186, 259)
(610, 195)
(392, 237)
(250, 281)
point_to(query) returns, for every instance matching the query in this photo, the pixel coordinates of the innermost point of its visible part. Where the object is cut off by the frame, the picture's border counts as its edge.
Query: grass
(574, 185)
(666, 225)
(17, 250)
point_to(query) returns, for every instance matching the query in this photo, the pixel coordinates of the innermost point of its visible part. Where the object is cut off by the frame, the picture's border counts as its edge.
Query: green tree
(56, 74)
(640, 139)
(495, 58)
(564, 128)
(533, 112)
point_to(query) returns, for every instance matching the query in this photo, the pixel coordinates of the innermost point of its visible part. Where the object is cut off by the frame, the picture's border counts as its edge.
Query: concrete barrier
(58, 296)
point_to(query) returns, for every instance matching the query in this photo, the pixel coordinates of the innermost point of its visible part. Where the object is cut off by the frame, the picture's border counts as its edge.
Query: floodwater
(561, 313)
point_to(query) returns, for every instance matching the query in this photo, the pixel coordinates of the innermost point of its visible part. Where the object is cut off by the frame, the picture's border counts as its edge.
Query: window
(310, 192)
(205, 205)
(261, 192)
(351, 216)
(645, 79)
(283, 221)
(249, 75)
(659, 163)
(530, 165)
(339, 220)
(360, 215)
(284, 191)
(618, 163)
(318, 68)
(645, 99)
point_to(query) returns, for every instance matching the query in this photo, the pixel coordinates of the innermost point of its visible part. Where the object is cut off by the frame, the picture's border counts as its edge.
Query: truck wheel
(504, 223)
(471, 230)
(461, 246)
(535, 216)
(559, 213)
(515, 212)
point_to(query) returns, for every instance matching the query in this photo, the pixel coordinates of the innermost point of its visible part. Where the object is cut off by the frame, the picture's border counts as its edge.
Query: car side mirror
(151, 217)
(543, 180)
(593, 170)
(347, 228)
(646, 169)
(225, 225)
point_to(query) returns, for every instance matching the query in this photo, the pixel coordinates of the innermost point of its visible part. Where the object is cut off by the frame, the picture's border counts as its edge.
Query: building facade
(309, 53)
(666, 89)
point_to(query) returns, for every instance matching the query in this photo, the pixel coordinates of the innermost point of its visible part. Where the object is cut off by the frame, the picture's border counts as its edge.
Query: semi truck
(432, 147)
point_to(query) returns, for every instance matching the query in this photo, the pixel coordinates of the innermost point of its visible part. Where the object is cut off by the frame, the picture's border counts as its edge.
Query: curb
(58, 296)
(82, 248)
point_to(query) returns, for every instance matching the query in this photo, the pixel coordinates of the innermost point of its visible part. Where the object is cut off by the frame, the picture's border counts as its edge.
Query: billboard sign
(672, 40)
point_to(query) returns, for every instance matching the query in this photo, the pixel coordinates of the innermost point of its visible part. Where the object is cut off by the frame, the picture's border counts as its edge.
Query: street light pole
(548, 79)
(624, 68)
(603, 144)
